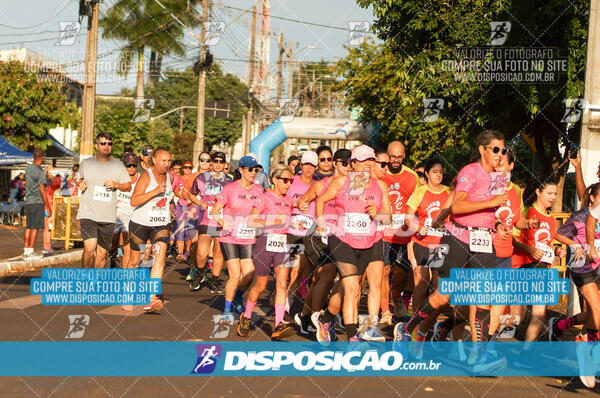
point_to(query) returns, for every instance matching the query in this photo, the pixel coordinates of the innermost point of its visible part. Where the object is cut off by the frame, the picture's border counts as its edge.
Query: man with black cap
(146, 158)
(124, 210)
(203, 192)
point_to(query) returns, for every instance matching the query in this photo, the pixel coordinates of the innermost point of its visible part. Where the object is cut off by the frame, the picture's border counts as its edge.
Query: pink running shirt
(237, 204)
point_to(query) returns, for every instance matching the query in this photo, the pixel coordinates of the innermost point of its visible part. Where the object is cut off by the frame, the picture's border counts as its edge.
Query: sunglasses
(218, 161)
(109, 143)
(285, 180)
(496, 149)
(382, 164)
(253, 169)
(146, 152)
(344, 163)
(202, 160)
(187, 167)
(130, 165)
(325, 160)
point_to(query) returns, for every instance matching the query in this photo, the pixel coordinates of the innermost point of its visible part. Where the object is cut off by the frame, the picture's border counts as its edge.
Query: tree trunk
(139, 90)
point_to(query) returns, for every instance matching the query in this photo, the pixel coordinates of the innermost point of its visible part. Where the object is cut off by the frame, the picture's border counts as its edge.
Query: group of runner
(338, 223)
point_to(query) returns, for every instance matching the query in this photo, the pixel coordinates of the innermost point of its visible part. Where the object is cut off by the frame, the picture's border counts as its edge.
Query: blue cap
(248, 161)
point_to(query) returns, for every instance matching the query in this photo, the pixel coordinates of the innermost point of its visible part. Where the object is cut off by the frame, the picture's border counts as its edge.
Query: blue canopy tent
(10, 154)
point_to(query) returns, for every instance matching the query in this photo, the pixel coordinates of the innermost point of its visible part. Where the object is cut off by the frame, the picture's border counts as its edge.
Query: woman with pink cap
(357, 245)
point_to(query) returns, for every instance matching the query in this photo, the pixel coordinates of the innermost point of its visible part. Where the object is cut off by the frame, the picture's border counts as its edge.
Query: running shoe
(213, 285)
(192, 274)
(457, 351)
(386, 318)
(238, 305)
(554, 332)
(372, 333)
(33, 256)
(198, 280)
(323, 329)
(400, 309)
(48, 251)
(400, 333)
(180, 258)
(416, 347)
(227, 318)
(356, 344)
(303, 321)
(585, 359)
(487, 364)
(155, 305)
(244, 326)
(284, 329)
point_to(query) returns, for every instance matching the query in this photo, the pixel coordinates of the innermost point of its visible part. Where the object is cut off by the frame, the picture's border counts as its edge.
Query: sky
(35, 24)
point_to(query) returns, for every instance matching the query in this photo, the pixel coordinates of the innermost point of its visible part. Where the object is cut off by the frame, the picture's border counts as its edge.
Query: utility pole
(199, 143)
(590, 126)
(89, 88)
(312, 99)
(181, 123)
(249, 120)
(277, 153)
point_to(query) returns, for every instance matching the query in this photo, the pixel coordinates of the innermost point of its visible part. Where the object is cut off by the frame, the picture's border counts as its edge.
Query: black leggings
(231, 251)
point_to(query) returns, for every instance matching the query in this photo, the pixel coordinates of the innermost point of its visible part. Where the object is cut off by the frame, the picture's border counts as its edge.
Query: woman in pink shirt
(237, 238)
(357, 245)
(271, 215)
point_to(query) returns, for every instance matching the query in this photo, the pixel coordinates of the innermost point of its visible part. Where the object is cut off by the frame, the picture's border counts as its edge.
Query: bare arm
(140, 196)
(332, 190)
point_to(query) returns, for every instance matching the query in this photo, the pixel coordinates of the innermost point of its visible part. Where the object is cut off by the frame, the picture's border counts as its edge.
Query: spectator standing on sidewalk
(35, 200)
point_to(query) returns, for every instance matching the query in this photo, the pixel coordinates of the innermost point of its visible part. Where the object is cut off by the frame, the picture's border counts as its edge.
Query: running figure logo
(207, 358)
(358, 32)
(214, 30)
(142, 110)
(68, 33)
(499, 33)
(77, 325)
(432, 107)
(287, 109)
(573, 110)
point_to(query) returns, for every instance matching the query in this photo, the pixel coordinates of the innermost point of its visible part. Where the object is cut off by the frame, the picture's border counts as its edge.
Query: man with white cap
(357, 244)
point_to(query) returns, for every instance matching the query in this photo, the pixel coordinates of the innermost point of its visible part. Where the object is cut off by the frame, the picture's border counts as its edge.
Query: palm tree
(142, 24)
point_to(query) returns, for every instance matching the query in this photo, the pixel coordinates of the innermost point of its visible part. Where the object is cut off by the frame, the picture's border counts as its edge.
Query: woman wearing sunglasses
(204, 193)
(357, 245)
(319, 255)
(237, 238)
(271, 215)
(325, 165)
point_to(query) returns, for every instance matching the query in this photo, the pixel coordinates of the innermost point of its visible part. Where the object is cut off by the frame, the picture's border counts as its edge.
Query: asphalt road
(188, 316)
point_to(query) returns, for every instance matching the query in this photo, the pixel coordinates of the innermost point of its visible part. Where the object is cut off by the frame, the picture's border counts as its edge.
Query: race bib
(548, 256)
(102, 194)
(276, 243)
(124, 196)
(357, 223)
(480, 241)
(245, 232)
(398, 220)
(158, 216)
(301, 221)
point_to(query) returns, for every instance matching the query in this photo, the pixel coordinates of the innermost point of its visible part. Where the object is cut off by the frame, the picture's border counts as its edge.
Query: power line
(40, 24)
(288, 19)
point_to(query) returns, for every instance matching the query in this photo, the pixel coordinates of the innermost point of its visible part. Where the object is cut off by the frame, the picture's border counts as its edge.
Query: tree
(29, 106)
(180, 88)
(146, 24)
(391, 80)
(114, 117)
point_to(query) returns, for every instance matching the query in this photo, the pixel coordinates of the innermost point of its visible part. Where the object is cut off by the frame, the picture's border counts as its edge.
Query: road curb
(28, 265)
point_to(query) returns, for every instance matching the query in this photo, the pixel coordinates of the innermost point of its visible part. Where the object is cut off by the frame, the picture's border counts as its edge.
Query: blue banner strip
(222, 358)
